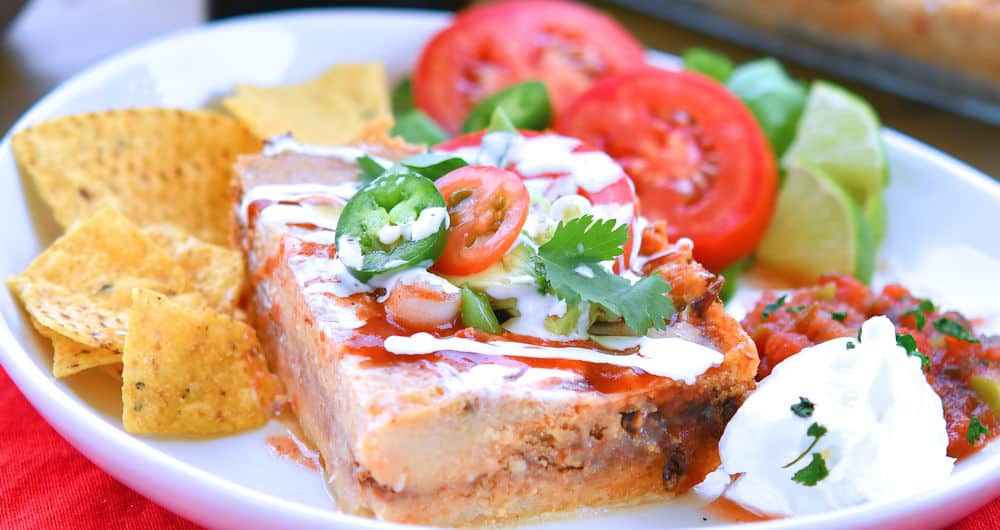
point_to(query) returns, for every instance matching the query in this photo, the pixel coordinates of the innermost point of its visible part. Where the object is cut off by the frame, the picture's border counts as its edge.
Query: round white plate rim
(90, 434)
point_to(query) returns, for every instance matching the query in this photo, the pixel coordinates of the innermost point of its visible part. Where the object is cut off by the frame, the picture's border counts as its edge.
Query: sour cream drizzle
(671, 357)
(286, 143)
(545, 155)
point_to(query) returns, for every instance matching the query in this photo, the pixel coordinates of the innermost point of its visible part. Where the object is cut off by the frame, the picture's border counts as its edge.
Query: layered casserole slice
(456, 396)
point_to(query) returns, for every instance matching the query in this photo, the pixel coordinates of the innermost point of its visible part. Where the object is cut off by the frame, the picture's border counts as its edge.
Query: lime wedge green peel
(841, 134)
(817, 227)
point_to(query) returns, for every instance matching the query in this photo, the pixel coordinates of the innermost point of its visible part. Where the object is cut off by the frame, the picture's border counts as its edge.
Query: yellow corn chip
(154, 165)
(333, 108)
(114, 371)
(74, 316)
(104, 257)
(70, 357)
(191, 372)
(216, 272)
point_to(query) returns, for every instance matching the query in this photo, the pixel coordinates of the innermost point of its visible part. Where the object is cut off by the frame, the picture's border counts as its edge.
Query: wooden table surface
(55, 39)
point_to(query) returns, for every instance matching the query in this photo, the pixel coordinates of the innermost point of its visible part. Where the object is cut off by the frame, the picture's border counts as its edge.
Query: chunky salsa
(962, 367)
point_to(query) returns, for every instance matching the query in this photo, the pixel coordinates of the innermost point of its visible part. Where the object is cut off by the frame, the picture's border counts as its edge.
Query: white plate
(234, 481)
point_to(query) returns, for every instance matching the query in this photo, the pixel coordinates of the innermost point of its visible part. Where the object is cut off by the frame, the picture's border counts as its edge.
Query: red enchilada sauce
(367, 341)
(838, 305)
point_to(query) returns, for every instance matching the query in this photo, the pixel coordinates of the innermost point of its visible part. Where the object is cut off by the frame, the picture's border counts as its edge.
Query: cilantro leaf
(646, 304)
(918, 317)
(839, 316)
(795, 308)
(850, 345)
(370, 169)
(814, 471)
(926, 306)
(909, 344)
(586, 240)
(816, 431)
(975, 430)
(583, 243)
(804, 408)
(954, 329)
(772, 307)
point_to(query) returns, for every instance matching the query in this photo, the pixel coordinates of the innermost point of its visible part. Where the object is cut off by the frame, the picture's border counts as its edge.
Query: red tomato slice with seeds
(487, 207)
(618, 193)
(697, 157)
(565, 45)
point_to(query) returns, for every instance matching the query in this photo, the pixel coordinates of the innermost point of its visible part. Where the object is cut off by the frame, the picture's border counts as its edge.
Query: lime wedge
(874, 212)
(817, 228)
(841, 134)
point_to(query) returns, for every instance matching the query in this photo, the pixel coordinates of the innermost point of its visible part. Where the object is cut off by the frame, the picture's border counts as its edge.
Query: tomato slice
(488, 207)
(695, 153)
(565, 45)
(617, 194)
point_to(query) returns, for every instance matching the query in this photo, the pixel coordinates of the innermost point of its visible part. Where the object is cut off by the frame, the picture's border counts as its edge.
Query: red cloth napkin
(46, 483)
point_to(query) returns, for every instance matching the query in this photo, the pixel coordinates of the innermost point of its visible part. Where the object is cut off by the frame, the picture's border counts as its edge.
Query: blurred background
(47, 41)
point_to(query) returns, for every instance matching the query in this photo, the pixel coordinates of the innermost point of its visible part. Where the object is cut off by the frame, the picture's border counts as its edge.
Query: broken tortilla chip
(70, 357)
(71, 315)
(216, 272)
(104, 257)
(154, 165)
(331, 109)
(193, 372)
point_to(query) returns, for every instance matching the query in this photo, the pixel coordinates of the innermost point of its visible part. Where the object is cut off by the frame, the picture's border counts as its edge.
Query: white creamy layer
(543, 155)
(885, 436)
(286, 143)
(337, 196)
(671, 357)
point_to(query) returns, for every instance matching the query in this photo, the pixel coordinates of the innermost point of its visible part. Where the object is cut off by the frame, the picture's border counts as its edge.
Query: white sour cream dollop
(885, 436)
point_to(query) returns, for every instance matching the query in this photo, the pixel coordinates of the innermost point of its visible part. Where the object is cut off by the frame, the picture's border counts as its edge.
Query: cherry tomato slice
(695, 153)
(488, 207)
(619, 192)
(487, 48)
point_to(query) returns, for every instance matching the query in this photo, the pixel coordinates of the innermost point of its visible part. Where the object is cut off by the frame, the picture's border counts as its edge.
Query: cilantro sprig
(772, 307)
(815, 431)
(954, 329)
(925, 306)
(814, 471)
(908, 343)
(975, 430)
(583, 243)
(804, 408)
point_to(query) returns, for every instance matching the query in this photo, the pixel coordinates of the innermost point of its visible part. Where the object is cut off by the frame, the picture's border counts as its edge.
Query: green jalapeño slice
(397, 221)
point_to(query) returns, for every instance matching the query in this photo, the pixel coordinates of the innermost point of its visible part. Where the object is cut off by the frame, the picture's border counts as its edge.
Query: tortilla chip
(70, 357)
(332, 109)
(104, 257)
(191, 372)
(74, 316)
(216, 272)
(154, 165)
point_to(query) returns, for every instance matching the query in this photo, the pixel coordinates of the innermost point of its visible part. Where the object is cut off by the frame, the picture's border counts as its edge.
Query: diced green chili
(476, 311)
